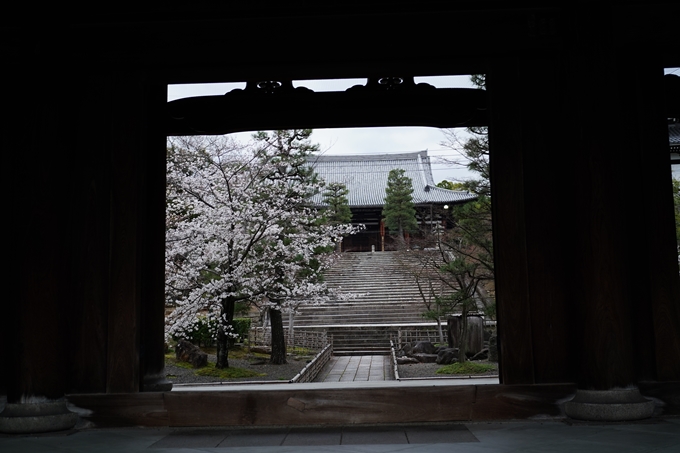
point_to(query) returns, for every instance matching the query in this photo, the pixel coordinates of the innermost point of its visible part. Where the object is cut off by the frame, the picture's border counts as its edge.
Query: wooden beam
(285, 107)
(320, 407)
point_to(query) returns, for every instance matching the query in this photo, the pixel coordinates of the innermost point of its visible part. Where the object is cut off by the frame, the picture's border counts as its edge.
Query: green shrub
(227, 373)
(466, 368)
(203, 331)
(241, 327)
(241, 308)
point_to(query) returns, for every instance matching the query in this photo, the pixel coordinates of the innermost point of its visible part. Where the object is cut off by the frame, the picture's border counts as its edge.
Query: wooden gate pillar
(34, 318)
(86, 314)
(531, 191)
(153, 278)
(586, 266)
(136, 359)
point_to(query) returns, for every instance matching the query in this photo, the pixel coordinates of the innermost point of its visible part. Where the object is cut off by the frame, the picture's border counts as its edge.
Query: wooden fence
(314, 340)
(404, 336)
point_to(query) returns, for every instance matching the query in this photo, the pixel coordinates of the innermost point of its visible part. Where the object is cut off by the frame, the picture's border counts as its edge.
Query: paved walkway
(356, 368)
(657, 435)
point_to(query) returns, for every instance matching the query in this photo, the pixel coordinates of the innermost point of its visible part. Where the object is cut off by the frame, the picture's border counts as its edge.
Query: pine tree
(335, 196)
(399, 210)
(288, 150)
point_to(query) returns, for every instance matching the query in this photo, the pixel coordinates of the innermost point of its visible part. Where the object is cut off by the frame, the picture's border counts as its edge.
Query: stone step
(418, 313)
(355, 312)
(379, 299)
(367, 313)
(368, 276)
(373, 269)
(350, 321)
(359, 295)
(378, 314)
(359, 302)
(369, 307)
(387, 299)
(382, 304)
(349, 313)
(373, 285)
(373, 288)
(358, 352)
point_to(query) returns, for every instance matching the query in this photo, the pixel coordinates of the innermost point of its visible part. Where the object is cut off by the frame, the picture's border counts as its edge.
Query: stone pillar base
(156, 383)
(40, 417)
(609, 405)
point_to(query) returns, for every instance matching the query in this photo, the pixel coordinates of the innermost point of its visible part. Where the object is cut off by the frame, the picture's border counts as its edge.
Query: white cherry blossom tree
(240, 228)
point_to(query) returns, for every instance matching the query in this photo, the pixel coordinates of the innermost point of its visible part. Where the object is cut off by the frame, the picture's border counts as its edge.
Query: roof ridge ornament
(391, 83)
(268, 87)
(273, 103)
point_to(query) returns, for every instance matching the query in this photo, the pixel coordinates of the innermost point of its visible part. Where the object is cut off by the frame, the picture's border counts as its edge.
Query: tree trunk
(400, 234)
(222, 337)
(462, 335)
(441, 332)
(291, 322)
(278, 356)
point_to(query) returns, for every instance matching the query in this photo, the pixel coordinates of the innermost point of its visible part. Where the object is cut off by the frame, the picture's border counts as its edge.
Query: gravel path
(425, 370)
(418, 370)
(285, 372)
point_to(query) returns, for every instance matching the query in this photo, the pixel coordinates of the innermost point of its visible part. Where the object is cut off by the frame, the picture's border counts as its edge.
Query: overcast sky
(370, 140)
(384, 140)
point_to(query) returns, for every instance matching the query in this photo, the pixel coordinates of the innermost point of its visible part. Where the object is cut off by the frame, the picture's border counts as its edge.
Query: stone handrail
(309, 372)
(394, 361)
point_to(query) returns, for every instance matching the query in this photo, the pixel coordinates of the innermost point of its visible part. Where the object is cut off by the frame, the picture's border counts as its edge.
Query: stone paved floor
(356, 368)
(658, 435)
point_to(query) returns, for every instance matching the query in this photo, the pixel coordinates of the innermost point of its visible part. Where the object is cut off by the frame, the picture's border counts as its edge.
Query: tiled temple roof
(366, 177)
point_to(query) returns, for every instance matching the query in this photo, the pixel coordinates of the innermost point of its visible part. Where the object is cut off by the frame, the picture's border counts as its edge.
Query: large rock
(189, 352)
(261, 349)
(425, 358)
(481, 355)
(447, 356)
(423, 347)
(406, 360)
(405, 350)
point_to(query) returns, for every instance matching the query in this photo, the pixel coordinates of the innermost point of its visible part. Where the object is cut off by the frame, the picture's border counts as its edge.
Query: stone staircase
(387, 299)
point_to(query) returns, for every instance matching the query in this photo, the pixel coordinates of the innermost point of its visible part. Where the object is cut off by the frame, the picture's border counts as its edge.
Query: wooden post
(382, 234)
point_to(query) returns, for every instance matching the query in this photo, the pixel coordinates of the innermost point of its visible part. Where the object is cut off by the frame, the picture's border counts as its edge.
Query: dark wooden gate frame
(588, 305)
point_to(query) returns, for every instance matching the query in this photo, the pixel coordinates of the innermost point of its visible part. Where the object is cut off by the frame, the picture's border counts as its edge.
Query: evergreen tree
(337, 212)
(450, 185)
(462, 262)
(288, 150)
(399, 210)
(467, 248)
(335, 196)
